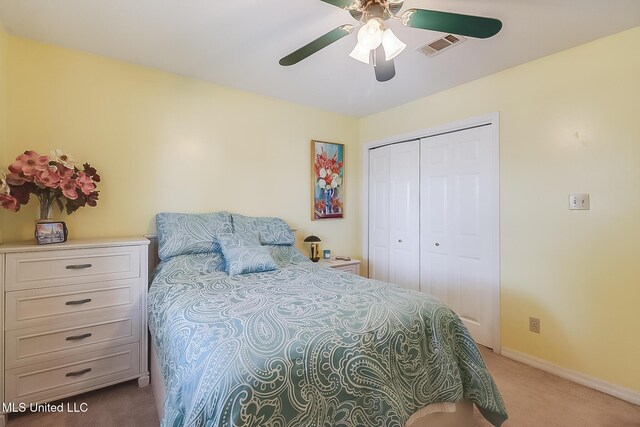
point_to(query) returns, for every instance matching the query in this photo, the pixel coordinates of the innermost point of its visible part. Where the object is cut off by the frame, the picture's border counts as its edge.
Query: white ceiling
(238, 43)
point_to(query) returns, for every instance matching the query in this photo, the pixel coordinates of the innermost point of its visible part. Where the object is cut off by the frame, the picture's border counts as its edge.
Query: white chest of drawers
(74, 317)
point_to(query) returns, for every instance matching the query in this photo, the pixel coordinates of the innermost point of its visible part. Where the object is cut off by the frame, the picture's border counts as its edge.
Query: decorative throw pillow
(183, 234)
(271, 230)
(243, 254)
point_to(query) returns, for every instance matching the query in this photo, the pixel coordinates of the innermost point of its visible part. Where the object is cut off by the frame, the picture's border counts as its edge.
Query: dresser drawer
(65, 267)
(68, 303)
(55, 379)
(33, 345)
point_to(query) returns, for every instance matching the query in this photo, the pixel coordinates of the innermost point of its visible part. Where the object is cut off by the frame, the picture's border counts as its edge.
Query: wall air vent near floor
(441, 44)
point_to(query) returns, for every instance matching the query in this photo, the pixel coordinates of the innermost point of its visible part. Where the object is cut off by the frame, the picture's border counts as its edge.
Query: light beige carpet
(537, 399)
(121, 405)
(533, 398)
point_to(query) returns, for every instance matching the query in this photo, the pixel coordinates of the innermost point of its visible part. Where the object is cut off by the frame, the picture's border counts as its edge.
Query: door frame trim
(492, 120)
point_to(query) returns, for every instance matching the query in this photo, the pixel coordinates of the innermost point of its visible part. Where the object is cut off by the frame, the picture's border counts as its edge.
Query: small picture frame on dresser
(51, 232)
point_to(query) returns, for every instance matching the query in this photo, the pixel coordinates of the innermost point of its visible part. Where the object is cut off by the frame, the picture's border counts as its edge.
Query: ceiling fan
(376, 40)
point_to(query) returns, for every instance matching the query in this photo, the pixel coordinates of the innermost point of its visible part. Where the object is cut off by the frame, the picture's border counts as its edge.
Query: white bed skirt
(436, 415)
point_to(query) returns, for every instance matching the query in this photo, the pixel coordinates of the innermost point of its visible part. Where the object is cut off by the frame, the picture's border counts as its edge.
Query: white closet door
(404, 216)
(459, 225)
(379, 214)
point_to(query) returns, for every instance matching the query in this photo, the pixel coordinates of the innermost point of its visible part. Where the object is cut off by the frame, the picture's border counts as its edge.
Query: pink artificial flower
(64, 172)
(16, 179)
(48, 178)
(85, 183)
(9, 202)
(68, 187)
(28, 163)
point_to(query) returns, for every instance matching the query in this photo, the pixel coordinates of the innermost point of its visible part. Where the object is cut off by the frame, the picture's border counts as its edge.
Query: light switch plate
(579, 202)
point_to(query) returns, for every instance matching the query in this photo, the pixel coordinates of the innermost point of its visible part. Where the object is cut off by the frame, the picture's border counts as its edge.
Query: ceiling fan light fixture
(370, 35)
(374, 35)
(393, 46)
(361, 54)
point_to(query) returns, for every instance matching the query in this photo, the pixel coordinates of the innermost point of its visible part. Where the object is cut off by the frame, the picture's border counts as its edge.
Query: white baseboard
(623, 393)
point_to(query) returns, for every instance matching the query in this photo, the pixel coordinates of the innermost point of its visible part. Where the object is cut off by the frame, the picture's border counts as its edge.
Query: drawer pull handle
(78, 302)
(77, 266)
(77, 373)
(79, 337)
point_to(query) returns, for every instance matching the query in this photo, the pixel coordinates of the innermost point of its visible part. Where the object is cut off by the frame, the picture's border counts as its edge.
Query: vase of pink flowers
(54, 179)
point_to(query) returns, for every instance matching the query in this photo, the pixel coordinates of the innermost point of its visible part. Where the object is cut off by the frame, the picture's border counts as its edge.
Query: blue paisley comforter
(306, 346)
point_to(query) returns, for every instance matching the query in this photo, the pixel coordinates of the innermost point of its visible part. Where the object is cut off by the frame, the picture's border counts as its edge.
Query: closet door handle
(78, 302)
(77, 373)
(437, 244)
(79, 337)
(77, 266)
(399, 240)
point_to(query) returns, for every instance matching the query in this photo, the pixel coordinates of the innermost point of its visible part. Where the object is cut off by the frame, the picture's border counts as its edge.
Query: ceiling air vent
(441, 44)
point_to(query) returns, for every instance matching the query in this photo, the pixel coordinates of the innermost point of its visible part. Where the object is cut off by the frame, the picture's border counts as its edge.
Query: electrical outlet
(579, 202)
(534, 325)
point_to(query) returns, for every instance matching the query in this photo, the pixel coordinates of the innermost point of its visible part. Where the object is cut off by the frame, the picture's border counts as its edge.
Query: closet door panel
(404, 215)
(458, 211)
(436, 219)
(379, 207)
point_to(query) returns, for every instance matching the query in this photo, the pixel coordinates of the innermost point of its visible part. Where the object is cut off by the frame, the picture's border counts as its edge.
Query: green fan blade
(316, 45)
(464, 25)
(343, 4)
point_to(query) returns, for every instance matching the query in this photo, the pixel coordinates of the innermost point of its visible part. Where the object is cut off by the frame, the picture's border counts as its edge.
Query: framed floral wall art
(327, 180)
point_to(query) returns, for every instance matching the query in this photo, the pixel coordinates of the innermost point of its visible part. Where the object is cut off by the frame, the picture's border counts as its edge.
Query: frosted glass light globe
(393, 46)
(370, 35)
(361, 54)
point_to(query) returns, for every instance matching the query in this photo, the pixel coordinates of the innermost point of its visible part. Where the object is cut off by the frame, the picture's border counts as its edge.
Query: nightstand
(75, 317)
(352, 266)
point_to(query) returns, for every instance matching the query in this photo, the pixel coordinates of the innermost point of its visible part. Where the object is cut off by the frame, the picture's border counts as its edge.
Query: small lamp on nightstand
(315, 247)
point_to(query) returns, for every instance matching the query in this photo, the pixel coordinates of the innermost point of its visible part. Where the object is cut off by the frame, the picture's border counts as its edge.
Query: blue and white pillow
(244, 224)
(270, 230)
(184, 234)
(274, 231)
(244, 254)
(204, 263)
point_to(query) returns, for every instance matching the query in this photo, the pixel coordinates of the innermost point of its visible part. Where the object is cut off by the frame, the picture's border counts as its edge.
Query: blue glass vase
(328, 194)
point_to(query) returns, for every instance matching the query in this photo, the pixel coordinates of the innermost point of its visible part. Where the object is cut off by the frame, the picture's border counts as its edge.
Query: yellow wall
(167, 143)
(3, 105)
(569, 123)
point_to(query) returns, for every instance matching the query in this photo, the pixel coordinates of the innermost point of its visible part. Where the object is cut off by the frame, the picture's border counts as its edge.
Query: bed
(299, 344)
